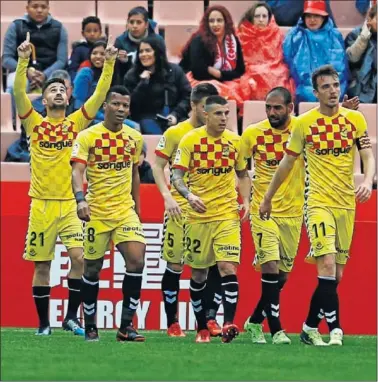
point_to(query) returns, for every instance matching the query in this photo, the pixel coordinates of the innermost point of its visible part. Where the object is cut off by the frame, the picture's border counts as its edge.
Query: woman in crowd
(261, 41)
(213, 54)
(312, 43)
(87, 78)
(138, 27)
(160, 91)
(361, 46)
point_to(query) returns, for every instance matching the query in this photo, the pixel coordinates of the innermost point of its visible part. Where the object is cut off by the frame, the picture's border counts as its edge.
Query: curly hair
(204, 31)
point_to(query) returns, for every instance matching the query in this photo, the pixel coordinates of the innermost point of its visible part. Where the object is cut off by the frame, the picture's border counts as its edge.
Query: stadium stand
(7, 138)
(346, 14)
(6, 112)
(72, 11)
(178, 12)
(236, 8)
(254, 111)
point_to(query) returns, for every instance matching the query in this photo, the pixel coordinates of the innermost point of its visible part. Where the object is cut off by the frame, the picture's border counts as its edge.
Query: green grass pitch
(66, 357)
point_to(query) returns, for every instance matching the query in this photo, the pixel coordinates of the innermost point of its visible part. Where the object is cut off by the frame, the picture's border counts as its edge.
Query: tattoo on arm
(363, 142)
(179, 183)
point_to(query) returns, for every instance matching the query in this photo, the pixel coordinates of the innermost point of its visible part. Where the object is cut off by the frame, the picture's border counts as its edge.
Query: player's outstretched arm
(23, 103)
(83, 211)
(172, 208)
(178, 181)
(135, 188)
(245, 186)
(363, 191)
(279, 177)
(93, 104)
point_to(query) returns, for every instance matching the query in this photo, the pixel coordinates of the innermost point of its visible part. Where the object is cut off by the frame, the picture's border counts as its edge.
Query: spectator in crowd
(288, 12)
(138, 27)
(261, 40)
(160, 91)
(91, 31)
(213, 54)
(361, 50)
(49, 39)
(87, 78)
(314, 42)
(145, 170)
(18, 151)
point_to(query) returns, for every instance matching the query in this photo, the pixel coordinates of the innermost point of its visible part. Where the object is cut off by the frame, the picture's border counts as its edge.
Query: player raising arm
(53, 209)
(328, 137)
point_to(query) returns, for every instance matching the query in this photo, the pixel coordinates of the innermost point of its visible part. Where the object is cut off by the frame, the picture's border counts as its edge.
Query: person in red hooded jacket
(261, 41)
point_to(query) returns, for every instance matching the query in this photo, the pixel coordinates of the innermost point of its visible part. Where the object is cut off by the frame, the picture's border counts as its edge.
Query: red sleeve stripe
(86, 114)
(161, 155)
(27, 114)
(78, 160)
(180, 167)
(292, 153)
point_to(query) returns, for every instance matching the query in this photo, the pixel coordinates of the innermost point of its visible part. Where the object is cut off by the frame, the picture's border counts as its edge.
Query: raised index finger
(27, 37)
(110, 41)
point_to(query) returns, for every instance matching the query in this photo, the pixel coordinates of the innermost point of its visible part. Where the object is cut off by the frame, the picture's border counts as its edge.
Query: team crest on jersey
(161, 144)
(226, 151)
(127, 148)
(344, 132)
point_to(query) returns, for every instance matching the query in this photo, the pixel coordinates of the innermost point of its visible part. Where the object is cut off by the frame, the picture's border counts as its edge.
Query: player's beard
(58, 107)
(279, 122)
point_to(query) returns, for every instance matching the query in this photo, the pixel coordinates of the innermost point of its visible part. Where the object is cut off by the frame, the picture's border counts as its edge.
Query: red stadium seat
(236, 8)
(115, 12)
(345, 31)
(6, 112)
(233, 120)
(254, 111)
(176, 36)
(178, 12)
(7, 138)
(10, 10)
(346, 14)
(368, 110)
(72, 11)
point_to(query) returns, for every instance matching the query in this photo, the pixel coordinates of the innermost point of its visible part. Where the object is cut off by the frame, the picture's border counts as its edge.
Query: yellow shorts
(49, 219)
(98, 233)
(208, 243)
(172, 249)
(276, 239)
(330, 231)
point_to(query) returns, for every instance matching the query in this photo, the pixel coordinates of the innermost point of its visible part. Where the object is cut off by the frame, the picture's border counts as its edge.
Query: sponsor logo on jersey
(273, 162)
(75, 149)
(118, 166)
(216, 171)
(335, 151)
(161, 144)
(55, 145)
(178, 156)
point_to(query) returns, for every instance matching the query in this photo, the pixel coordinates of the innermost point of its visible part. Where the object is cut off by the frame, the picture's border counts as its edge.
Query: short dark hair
(47, 1)
(53, 81)
(216, 100)
(90, 20)
(138, 11)
(372, 12)
(325, 70)
(283, 92)
(201, 91)
(119, 89)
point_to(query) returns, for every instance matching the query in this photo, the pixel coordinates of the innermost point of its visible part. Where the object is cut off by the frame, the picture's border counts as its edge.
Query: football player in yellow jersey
(328, 137)
(53, 209)
(109, 154)
(175, 206)
(212, 224)
(276, 240)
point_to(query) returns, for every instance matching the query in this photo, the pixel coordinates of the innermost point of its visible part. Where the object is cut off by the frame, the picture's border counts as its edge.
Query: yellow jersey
(51, 140)
(329, 146)
(210, 163)
(167, 148)
(266, 146)
(109, 157)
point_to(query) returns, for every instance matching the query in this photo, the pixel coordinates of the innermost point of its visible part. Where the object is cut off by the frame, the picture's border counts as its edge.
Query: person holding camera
(160, 91)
